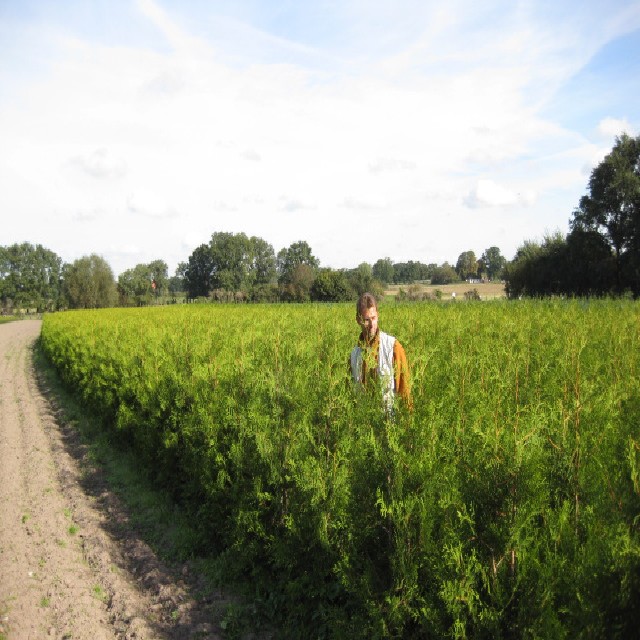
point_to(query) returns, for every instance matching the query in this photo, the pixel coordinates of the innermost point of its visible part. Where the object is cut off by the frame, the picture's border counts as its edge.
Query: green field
(507, 505)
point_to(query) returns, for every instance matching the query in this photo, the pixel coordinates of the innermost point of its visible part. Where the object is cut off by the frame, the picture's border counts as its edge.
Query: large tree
(298, 287)
(232, 258)
(232, 262)
(198, 274)
(409, 272)
(89, 283)
(580, 264)
(331, 286)
(30, 276)
(383, 270)
(361, 278)
(143, 282)
(612, 208)
(467, 265)
(493, 263)
(289, 259)
(263, 262)
(444, 274)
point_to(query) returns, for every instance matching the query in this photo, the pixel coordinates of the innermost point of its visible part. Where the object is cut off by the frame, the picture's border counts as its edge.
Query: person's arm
(401, 373)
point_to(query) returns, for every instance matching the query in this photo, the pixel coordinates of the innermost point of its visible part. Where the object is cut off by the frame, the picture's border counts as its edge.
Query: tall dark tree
(199, 272)
(590, 265)
(537, 268)
(612, 208)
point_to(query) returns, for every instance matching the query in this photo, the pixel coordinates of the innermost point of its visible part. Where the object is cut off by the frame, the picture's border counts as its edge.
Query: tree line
(229, 268)
(601, 253)
(599, 256)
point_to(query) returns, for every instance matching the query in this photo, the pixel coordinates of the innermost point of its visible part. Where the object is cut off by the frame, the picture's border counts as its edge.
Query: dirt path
(68, 566)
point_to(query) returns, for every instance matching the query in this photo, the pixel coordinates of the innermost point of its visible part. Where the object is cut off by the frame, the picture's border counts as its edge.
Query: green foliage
(409, 272)
(289, 261)
(231, 262)
(444, 274)
(492, 263)
(467, 265)
(89, 283)
(505, 505)
(580, 264)
(143, 283)
(383, 270)
(331, 286)
(612, 208)
(601, 254)
(30, 277)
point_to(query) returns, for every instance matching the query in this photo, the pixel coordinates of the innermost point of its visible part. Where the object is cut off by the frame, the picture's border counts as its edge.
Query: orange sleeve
(401, 372)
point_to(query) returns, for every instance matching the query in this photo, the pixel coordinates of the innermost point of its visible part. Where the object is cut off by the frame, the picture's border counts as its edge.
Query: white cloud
(251, 155)
(380, 165)
(294, 205)
(487, 193)
(89, 216)
(149, 204)
(362, 205)
(612, 127)
(450, 110)
(100, 164)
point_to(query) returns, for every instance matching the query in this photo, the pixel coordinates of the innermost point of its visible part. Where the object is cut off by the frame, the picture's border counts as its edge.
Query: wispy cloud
(100, 164)
(423, 110)
(150, 205)
(487, 193)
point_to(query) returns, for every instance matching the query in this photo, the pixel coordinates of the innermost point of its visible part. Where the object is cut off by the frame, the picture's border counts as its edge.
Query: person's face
(368, 320)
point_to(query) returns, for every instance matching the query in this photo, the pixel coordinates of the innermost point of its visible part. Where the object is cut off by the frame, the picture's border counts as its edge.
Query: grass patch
(99, 593)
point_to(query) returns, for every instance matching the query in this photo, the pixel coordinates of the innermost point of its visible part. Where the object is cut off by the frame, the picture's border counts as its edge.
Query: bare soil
(70, 567)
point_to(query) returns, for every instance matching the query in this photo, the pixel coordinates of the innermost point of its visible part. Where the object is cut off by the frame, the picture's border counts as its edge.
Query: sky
(408, 129)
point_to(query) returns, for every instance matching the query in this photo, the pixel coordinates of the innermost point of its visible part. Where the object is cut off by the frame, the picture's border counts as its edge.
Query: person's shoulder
(397, 346)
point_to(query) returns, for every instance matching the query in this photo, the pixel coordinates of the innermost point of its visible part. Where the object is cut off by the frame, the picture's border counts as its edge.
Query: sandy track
(69, 566)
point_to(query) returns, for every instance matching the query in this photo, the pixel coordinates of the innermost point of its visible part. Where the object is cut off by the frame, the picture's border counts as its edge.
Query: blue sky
(410, 129)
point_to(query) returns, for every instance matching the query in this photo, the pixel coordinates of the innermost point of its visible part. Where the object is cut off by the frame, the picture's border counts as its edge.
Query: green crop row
(507, 504)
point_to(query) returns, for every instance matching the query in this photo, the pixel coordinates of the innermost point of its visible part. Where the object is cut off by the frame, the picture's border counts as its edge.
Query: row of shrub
(506, 505)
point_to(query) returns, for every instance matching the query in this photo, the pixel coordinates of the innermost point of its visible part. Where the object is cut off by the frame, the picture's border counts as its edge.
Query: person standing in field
(378, 357)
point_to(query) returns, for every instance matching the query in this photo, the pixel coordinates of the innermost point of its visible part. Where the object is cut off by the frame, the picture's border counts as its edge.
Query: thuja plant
(505, 505)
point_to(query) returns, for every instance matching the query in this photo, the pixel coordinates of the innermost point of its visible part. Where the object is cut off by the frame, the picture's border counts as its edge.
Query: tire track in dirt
(69, 565)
